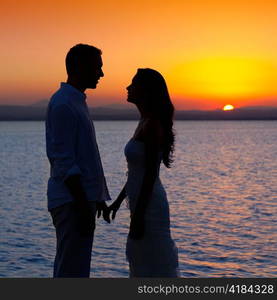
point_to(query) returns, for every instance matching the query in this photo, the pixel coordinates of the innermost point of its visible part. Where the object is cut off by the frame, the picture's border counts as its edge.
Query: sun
(228, 107)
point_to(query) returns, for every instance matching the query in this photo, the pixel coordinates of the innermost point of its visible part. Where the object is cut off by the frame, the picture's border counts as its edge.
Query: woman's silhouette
(150, 250)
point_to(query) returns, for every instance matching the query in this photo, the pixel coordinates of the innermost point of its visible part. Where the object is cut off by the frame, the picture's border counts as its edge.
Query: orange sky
(211, 52)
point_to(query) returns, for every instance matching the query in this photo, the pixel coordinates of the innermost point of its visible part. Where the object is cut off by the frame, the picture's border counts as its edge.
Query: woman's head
(148, 91)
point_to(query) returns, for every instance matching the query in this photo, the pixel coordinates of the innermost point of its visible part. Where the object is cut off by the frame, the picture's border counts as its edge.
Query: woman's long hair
(159, 104)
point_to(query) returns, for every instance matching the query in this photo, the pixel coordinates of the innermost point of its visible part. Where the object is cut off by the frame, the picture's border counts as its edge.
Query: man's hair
(78, 55)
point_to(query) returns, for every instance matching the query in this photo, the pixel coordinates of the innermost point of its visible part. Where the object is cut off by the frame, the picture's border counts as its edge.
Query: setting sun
(227, 78)
(228, 107)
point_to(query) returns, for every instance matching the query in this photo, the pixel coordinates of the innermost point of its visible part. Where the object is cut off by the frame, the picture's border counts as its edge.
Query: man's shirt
(72, 148)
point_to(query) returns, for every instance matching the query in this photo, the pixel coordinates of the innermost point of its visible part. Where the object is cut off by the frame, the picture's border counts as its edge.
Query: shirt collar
(73, 90)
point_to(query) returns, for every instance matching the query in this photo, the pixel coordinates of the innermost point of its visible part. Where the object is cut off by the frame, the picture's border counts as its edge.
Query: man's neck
(76, 84)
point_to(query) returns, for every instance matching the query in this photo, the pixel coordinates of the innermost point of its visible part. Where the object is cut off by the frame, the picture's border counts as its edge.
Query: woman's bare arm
(152, 139)
(114, 207)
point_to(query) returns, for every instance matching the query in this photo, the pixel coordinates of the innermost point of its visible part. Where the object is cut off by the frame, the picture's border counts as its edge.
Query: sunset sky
(211, 52)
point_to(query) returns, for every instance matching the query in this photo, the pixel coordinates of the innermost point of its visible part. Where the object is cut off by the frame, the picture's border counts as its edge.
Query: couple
(77, 189)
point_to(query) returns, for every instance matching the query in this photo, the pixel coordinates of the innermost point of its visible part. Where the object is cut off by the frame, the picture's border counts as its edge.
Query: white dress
(155, 255)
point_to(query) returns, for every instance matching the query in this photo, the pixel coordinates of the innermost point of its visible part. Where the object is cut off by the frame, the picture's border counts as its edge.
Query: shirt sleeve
(64, 129)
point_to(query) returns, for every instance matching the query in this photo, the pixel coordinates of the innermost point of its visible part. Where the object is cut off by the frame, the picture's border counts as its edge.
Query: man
(77, 186)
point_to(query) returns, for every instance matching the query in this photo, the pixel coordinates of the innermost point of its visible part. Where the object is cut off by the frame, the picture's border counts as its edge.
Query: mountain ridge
(118, 112)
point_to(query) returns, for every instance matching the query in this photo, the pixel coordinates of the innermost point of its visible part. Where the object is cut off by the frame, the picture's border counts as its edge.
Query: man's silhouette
(77, 186)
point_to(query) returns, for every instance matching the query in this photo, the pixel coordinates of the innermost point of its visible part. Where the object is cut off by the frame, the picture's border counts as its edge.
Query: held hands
(114, 208)
(106, 211)
(136, 231)
(103, 209)
(86, 218)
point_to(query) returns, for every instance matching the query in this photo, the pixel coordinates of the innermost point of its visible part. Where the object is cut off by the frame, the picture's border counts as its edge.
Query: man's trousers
(73, 251)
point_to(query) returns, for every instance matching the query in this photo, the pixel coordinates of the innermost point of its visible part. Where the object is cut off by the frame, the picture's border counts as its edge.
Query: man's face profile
(91, 72)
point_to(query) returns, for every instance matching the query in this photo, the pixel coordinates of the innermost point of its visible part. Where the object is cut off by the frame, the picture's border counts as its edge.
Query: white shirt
(72, 148)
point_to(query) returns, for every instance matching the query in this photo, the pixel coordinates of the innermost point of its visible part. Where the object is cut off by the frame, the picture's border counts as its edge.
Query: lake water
(222, 191)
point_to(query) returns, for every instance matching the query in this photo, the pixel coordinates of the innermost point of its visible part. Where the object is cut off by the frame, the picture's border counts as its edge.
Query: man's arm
(73, 183)
(64, 125)
(64, 130)
(63, 134)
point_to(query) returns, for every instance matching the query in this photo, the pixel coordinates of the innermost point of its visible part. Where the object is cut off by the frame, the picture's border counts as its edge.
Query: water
(222, 192)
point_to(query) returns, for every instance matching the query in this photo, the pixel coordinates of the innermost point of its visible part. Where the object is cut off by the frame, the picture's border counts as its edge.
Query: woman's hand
(116, 204)
(136, 226)
(114, 208)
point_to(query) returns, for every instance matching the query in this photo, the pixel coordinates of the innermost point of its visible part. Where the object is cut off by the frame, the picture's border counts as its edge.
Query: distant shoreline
(38, 113)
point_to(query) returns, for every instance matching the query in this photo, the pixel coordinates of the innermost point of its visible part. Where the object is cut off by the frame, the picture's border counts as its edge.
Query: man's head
(84, 65)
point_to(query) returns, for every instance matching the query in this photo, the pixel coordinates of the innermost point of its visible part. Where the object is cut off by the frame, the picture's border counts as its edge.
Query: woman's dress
(155, 255)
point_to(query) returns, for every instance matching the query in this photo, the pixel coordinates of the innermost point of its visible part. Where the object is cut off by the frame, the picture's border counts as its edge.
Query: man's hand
(103, 209)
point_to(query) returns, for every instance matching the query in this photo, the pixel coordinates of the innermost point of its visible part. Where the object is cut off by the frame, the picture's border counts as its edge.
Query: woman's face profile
(135, 91)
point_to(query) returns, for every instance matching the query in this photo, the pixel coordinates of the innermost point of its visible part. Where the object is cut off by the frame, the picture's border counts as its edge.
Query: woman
(150, 250)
